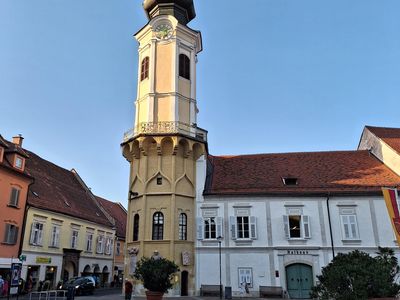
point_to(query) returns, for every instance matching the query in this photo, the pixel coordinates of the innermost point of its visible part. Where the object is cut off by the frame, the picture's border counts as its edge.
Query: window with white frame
(108, 247)
(89, 241)
(36, 234)
(296, 225)
(245, 276)
(74, 238)
(118, 249)
(242, 225)
(11, 234)
(349, 223)
(55, 236)
(100, 244)
(209, 227)
(19, 162)
(14, 197)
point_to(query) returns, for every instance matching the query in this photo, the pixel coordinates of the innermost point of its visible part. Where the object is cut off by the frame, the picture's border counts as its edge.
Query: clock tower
(165, 143)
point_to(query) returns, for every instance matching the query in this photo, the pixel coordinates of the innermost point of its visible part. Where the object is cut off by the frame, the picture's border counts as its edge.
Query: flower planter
(154, 295)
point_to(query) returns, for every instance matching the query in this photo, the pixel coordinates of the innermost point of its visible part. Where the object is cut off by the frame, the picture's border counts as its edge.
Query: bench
(271, 291)
(209, 290)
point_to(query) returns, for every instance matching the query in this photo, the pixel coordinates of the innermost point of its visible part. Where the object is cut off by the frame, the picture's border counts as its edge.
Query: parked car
(82, 285)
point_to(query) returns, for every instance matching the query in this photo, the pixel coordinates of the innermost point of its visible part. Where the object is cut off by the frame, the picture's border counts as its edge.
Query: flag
(392, 204)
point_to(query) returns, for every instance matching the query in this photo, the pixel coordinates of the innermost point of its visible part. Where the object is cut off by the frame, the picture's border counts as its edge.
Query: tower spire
(182, 10)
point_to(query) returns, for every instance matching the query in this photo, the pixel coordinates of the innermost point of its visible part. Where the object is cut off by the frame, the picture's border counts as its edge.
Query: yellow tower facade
(165, 143)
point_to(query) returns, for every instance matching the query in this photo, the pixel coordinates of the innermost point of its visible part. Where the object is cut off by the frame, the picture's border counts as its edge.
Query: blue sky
(274, 76)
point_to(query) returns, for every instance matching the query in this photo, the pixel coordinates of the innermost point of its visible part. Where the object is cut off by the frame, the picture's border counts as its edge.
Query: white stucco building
(282, 217)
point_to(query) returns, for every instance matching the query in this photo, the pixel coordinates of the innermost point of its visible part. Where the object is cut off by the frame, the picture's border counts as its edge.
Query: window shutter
(200, 230)
(253, 227)
(306, 226)
(286, 226)
(32, 239)
(40, 234)
(219, 226)
(15, 235)
(232, 221)
(7, 233)
(57, 237)
(14, 197)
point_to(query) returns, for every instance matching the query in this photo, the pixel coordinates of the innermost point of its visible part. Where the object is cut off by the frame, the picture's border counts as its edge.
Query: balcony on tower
(166, 128)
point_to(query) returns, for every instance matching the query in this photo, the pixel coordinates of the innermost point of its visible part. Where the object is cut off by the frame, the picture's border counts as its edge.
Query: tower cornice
(182, 10)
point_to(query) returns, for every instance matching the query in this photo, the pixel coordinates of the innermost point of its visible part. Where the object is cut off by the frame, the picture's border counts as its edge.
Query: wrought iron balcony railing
(166, 128)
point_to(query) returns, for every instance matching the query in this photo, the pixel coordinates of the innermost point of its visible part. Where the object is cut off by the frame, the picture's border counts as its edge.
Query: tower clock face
(163, 31)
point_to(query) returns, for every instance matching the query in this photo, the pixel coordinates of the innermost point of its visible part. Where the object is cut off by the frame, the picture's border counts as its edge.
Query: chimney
(17, 140)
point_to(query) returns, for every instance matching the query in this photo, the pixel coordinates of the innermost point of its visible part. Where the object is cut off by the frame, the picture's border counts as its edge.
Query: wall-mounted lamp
(132, 195)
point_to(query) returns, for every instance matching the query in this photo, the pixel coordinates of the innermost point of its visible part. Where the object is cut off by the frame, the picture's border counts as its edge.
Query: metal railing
(166, 128)
(48, 295)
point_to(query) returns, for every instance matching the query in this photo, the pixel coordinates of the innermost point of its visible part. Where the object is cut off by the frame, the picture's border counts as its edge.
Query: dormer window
(289, 180)
(19, 162)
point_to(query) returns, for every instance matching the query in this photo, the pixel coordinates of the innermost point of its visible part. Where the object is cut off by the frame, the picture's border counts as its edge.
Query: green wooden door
(299, 280)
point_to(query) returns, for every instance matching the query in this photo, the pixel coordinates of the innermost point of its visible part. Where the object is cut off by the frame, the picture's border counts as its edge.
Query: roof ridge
(290, 153)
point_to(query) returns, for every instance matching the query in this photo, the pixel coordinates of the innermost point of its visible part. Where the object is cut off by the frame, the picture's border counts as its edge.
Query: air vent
(66, 203)
(289, 180)
(35, 194)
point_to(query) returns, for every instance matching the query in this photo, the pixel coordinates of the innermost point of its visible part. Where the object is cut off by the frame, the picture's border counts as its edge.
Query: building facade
(118, 213)
(14, 185)
(67, 231)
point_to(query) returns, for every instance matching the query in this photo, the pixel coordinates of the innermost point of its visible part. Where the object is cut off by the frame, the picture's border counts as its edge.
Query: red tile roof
(57, 189)
(390, 136)
(339, 172)
(118, 212)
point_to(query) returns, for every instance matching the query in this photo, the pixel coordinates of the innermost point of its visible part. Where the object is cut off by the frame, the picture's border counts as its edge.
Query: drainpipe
(330, 225)
(21, 242)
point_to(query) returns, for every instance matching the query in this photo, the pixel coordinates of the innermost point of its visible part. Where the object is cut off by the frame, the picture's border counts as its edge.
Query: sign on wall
(43, 260)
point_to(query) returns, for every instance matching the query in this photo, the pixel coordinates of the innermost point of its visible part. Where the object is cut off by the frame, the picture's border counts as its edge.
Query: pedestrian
(1, 285)
(246, 288)
(241, 289)
(128, 289)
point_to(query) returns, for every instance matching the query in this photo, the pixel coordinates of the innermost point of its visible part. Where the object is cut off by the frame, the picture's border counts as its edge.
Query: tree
(357, 275)
(156, 273)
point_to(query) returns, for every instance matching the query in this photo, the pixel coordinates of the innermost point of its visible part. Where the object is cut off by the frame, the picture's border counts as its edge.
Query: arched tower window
(144, 70)
(136, 227)
(183, 227)
(158, 226)
(184, 66)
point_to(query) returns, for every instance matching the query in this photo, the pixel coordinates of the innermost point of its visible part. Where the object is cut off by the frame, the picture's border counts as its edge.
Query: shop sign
(43, 260)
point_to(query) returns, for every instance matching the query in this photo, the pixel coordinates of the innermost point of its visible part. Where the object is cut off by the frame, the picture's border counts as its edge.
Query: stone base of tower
(161, 208)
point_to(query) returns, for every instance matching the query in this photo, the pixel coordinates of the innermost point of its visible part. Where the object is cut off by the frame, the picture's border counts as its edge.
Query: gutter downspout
(330, 225)
(21, 242)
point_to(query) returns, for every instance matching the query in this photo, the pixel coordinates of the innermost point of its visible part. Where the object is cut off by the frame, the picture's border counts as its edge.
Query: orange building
(14, 185)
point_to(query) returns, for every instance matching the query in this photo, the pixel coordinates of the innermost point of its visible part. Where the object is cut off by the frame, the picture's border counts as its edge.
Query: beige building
(165, 142)
(67, 232)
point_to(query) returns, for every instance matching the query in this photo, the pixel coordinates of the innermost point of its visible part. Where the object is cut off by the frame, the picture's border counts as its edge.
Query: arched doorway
(69, 270)
(299, 280)
(104, 277)
(86, 271)
(184, 283)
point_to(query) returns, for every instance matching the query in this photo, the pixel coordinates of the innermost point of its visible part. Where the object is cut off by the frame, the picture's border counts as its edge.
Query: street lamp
(219, 239)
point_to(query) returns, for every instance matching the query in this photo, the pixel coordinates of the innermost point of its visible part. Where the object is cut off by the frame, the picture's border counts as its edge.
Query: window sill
(243, 241)
(54, 247)
(36, 245)
(8, 244)
(354, 242)
(183, 78)
(297, 241)
(13, 206)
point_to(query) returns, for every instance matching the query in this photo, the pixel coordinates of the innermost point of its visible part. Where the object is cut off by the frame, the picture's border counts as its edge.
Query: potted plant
(156, 274)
